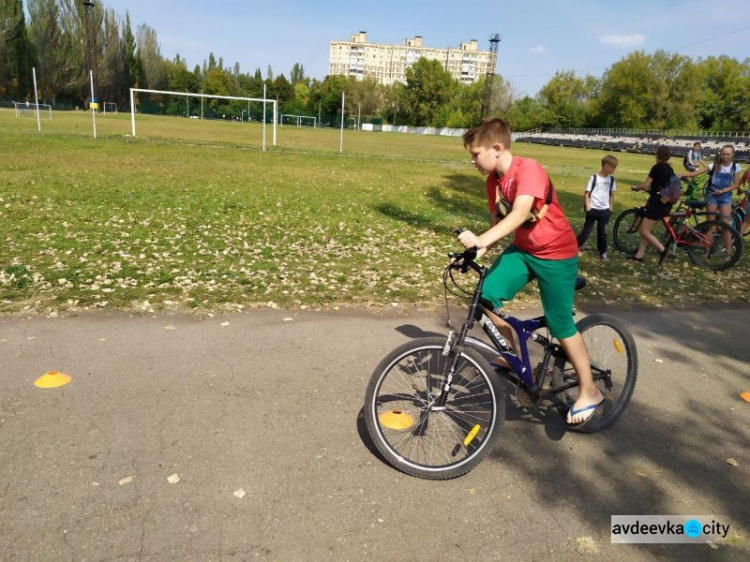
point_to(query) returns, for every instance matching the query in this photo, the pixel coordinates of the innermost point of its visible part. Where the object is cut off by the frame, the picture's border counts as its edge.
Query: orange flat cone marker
(396, 420)
(745, 396)
(52, 379)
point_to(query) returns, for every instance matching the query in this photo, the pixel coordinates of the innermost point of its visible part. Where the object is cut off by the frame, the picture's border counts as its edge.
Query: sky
(538, 38)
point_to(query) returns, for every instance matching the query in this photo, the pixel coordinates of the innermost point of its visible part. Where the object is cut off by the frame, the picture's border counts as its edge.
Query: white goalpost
(110, 107)
(189, 95)
(28, 109)
(298, 119)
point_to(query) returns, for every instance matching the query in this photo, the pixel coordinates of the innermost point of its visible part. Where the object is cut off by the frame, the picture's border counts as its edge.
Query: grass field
(191, 214)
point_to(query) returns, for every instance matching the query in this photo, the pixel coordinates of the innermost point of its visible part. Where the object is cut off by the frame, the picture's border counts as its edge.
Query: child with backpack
(664, 189)
(724, 177)
(694, 158)
(598, 201)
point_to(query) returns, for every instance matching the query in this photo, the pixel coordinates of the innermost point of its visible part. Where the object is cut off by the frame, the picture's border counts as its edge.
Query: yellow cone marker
(52, 379)
(745, 396)
(396, 419)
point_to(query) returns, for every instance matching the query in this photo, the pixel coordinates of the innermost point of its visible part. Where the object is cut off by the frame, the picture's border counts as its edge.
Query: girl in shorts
(724, 177)
(656, 206)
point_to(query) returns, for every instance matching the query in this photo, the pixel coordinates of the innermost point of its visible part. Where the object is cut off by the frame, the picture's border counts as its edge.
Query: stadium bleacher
(640, 142)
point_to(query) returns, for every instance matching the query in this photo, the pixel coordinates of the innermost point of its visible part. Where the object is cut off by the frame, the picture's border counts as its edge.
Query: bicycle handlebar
(464, 260)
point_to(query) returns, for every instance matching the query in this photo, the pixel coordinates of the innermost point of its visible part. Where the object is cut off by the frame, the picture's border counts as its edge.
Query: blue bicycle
(434, 406)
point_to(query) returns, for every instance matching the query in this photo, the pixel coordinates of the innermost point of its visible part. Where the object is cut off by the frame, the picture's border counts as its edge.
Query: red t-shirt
(552, 238)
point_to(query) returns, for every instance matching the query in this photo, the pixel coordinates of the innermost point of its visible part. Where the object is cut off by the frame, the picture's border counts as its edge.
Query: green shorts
(556, 278)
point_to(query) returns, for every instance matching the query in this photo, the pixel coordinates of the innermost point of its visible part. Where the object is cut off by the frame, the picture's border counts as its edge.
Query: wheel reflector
(618, 346)
(472, 434)
(396, 419)
(745, 396)
(52, 379)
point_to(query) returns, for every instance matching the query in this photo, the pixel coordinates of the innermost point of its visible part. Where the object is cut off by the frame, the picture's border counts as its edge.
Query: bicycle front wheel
(714, 245)
(614, 364)
(414, 433)
(625, 234)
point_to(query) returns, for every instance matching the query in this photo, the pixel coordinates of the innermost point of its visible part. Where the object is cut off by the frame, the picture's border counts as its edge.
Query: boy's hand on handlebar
(469, 239)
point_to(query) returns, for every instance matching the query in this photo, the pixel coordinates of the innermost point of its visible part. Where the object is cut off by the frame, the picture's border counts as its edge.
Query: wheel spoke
(433, 439)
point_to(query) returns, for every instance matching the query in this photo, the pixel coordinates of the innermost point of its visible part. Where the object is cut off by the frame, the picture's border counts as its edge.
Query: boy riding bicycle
(522, 201)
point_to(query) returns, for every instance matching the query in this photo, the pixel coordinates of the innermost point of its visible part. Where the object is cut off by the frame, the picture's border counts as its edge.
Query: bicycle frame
(525, 330)
(682, 237)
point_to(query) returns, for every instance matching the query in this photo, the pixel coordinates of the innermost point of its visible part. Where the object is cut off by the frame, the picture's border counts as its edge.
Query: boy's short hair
(611, 160)
(696, 143)
(489, 131)
(663, 153)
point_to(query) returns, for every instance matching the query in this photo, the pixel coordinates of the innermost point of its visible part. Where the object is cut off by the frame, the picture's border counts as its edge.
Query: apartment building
(388, 63)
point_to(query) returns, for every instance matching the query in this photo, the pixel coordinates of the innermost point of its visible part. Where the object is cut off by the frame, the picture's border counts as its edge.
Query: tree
(428, 87)
(17, 55)
(648, 91)
(298, 74)
(46, 36)
(563, 100)
(724, 82)
(524, 114)
(149, 52)
(111, 64)
(132, 64)
(364, 96)
(283, 91)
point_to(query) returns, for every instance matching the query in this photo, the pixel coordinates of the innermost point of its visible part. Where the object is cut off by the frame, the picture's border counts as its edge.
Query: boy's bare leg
(507, 332)
(588, 393)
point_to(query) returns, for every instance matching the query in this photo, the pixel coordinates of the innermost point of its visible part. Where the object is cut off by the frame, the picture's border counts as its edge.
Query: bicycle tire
(706, 246)
(625, 234)
(611, 347)
(419, 441)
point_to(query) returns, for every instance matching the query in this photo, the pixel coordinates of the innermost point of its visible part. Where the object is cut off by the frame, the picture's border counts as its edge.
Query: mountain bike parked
(711, 244)
(434, 406)
(625, 233)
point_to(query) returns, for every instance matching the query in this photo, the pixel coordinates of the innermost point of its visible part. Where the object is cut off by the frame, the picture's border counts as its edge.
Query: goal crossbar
(299, 119)
(192, 95)
(22, 107)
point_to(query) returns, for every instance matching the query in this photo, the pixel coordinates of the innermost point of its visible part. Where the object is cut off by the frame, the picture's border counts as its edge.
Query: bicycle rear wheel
(614, 362)
(707, 245)
(411, 432)
(625, 234)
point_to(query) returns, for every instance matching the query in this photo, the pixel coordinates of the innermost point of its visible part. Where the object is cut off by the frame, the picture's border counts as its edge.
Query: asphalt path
(258, 415)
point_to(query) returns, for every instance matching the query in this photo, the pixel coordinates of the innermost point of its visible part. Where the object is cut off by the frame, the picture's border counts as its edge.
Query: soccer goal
(27, 109)
(298, 120)
(178, 104)
(110, 107)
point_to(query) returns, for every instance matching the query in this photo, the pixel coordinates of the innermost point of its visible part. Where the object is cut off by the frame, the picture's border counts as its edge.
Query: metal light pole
(91, 58)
